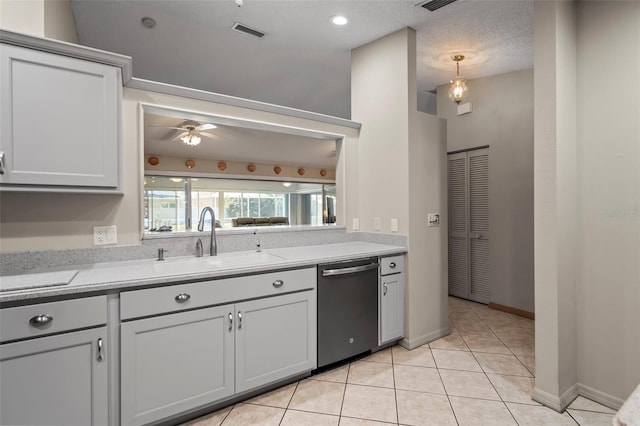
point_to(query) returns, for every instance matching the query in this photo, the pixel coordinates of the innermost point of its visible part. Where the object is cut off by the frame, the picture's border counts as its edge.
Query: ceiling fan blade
(180, 135)
(209, 135)
(206, 126)
(167, 127)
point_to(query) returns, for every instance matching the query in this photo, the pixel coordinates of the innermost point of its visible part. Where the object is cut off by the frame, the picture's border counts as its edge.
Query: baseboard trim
(600, 397)
(426, 338)
(514, 311)
(560, 404)
(552, 401)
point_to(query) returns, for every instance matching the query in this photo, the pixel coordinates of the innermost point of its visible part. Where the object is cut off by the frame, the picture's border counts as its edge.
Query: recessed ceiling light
(148, 22)
(339, 20)
(287, 184)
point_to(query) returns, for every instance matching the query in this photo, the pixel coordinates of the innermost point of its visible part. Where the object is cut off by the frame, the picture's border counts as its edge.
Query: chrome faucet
(213, 245)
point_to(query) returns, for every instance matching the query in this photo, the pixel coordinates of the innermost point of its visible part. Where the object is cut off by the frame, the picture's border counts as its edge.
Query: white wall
(33, 221)
(608, 83)
(59, 22)
(502, 118)
(24, 16)
(587, 201)
(380, 101)
(42, 18)
(401, 173)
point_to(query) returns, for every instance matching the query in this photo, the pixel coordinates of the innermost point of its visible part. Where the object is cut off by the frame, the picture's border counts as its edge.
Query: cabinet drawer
(46, 318)
(160, 300)
(392, 264)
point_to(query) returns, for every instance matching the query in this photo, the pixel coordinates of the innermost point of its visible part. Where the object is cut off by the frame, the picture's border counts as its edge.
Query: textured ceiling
(304, 61)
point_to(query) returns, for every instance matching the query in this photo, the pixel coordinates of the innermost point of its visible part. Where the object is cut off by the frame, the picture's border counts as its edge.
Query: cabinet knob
(278, 283)
(182, 297)
(392, 265)
(40, 320)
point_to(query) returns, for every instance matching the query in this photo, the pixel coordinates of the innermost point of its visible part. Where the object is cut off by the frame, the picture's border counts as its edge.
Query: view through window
(175, 203)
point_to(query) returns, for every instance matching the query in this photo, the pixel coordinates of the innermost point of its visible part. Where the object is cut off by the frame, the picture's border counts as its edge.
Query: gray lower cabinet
(275, 339)
(55, 380)
(173, 363)
(391, 299)
(178, 362)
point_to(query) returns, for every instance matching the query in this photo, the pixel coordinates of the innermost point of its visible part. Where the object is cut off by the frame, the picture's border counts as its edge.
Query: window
(176, 202)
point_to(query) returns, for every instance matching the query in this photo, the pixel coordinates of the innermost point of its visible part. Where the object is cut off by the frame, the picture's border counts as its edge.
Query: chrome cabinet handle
(100, 357)
(278, 283)
(182, 297)
(230, 321)
(392, 265)
(1, 162)
(239, 320)
(384, 286)
(40, 320)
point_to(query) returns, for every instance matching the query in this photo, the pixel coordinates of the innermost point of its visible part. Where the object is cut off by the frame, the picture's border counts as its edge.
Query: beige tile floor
(481, 374)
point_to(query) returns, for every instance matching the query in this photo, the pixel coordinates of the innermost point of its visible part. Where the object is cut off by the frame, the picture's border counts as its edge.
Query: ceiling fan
(191, 132)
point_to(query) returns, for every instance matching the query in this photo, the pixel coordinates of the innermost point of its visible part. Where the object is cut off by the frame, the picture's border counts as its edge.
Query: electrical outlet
(376, 223)
(356, 224)
(394, 225)
(433, 219)
(104, 235)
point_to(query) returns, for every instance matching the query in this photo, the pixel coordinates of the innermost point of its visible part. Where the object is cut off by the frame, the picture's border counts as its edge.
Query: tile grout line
(344, 392)
(395, 390)
(445, 389)
(492, 385)
(289, 402)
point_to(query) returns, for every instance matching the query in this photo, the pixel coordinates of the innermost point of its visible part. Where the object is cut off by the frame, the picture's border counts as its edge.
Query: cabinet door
(173, 363)
(55, 380)
(391, 307)
(275, 339)
(60, 120)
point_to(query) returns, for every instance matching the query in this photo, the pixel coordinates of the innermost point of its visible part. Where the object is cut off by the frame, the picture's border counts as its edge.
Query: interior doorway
(468, 190)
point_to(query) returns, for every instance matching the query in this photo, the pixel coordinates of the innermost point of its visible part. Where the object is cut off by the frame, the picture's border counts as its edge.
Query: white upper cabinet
(60, 119)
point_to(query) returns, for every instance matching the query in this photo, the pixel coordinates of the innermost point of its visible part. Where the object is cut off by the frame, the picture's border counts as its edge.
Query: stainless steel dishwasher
(347, 309)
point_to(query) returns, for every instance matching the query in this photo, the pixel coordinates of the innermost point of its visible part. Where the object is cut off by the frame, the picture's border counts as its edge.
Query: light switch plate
(105, 235)
(433, 219)
(394, 225)
(376, 223)
(356, 224)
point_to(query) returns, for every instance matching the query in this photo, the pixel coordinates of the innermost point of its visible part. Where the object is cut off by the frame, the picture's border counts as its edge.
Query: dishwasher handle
(351, 270)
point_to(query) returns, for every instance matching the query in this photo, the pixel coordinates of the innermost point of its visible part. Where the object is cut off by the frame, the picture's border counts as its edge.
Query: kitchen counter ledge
(119, 276)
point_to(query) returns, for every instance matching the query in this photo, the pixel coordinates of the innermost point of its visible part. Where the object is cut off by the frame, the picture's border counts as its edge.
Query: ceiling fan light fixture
(458, 90)
(191, 139)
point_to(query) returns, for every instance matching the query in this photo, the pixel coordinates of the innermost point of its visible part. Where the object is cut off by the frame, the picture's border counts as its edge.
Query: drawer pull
(40, 320)
(183, 297)
(100, 357)
(392, 265)
(278, 283)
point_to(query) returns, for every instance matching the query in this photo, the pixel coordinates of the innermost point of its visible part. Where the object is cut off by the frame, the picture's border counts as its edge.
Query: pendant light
(458, 90)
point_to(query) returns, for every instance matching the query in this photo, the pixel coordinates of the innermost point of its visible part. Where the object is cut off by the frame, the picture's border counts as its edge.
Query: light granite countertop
(119, 276)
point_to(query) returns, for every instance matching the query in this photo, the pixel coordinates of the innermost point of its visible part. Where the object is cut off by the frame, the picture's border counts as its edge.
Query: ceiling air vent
(436, 4)
(246, 30)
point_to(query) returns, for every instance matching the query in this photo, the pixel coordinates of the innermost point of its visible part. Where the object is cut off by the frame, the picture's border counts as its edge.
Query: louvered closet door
(469, 225)
(458, 222)
(479, 225)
